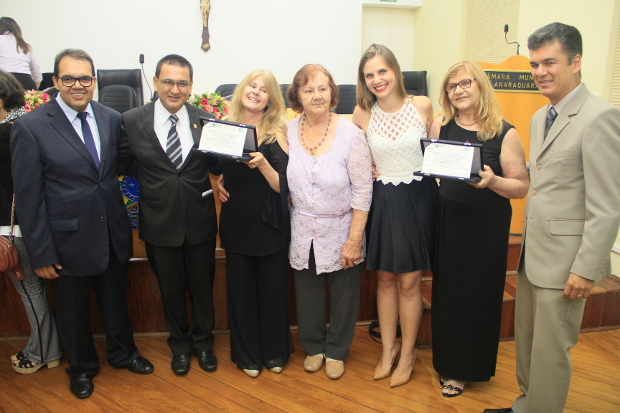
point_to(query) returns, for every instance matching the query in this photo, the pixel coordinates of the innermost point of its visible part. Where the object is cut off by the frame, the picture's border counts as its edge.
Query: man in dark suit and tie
(73, 218)
(177, 218)
(571, 218)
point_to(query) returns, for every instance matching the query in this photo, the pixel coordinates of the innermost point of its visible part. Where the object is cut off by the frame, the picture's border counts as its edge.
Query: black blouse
(6, 183)
(255, 219)
(491, 150)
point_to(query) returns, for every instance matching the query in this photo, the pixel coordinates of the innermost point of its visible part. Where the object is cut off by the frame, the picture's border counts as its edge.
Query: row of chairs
(121, 89)
(415, 84)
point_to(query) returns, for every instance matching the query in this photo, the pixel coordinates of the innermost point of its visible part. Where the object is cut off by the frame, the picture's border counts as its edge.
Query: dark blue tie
(89, 141)
(551, 115)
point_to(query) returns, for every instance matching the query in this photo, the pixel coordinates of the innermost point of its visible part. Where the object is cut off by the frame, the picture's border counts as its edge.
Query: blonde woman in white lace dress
(401, 223)
(330, 179)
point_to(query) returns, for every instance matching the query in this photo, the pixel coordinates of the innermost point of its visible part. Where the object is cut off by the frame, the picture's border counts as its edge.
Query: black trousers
(72, 298)
(179, 269)
(258, 310)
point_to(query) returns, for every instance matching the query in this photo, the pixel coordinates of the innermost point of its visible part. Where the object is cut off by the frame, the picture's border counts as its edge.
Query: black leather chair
(346, 99)
(129, 77)
(121, 98)
(415, 83)
(47, 81)
(226, 91)
(284, 88)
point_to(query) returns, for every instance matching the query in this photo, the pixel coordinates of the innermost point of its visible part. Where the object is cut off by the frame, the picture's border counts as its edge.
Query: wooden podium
(519, 99)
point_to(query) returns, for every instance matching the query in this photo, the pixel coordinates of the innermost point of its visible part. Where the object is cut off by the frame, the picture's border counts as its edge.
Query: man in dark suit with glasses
(177, 210)
(73, 218)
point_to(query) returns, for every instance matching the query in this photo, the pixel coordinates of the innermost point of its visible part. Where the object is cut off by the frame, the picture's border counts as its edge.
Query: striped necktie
(551, 115)
(173, 143)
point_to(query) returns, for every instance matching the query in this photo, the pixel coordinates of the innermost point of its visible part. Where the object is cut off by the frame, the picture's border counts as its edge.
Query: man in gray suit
(571, 220)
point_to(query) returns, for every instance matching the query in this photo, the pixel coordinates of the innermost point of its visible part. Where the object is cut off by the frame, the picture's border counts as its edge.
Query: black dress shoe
(81, 386)
(206, 360)
(506, 410)
(180, 364)
(140, 366)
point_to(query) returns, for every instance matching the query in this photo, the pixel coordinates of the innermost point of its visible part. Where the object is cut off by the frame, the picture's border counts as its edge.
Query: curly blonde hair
(487, 112)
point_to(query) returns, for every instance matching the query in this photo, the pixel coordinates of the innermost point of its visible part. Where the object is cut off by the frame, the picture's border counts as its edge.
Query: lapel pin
(195, 127)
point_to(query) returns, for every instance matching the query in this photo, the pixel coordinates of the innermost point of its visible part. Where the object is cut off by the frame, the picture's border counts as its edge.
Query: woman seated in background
(255, 230)
(401, 225)
(16, 55)
(473, 226)
(330, 180)
(42, 347)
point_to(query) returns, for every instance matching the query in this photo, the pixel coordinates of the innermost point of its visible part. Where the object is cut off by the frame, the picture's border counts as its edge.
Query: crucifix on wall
(205, 8)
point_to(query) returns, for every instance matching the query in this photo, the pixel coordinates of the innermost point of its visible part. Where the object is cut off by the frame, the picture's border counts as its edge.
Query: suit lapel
(570, 109)
(148, 120)
(103, 126)
(196, 128)
(64, 128)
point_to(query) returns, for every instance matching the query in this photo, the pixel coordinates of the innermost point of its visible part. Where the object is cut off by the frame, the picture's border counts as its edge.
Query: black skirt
(468, 287)
(401, 226)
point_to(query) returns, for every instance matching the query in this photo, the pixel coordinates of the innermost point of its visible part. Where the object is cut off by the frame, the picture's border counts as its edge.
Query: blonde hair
(365, 98)
(272, 121)
(487, 112)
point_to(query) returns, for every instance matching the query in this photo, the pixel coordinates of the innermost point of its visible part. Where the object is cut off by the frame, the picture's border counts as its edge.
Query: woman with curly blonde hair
(255, 230)
(472, 230)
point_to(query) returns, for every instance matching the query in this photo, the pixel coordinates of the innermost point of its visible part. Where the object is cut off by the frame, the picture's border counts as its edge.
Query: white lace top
(323, 191)
(394, 140)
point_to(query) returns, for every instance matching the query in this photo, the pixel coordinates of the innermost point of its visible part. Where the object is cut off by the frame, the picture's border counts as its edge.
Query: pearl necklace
(301, 134)
(456, 118)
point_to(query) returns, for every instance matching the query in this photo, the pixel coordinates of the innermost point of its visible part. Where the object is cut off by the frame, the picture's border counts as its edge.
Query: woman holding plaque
(401, 225)
(473, 226)
(330, 179)
(255, 230)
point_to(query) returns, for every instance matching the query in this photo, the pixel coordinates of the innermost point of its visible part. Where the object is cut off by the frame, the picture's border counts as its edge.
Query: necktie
(173, 143)
(551, 115)
(89, 141)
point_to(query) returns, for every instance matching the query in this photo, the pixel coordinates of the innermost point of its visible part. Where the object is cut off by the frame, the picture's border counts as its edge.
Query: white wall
(392, 27)
(277, 35)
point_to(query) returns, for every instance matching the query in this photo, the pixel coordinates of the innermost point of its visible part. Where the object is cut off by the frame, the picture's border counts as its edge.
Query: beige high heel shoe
(399, 380)
(382, 374)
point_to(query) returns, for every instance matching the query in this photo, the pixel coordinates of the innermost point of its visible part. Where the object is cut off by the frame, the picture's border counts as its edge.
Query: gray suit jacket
(573, 208)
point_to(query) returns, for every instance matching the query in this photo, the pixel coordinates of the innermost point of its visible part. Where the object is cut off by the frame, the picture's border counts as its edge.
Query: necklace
(301, 134)
(456, 118)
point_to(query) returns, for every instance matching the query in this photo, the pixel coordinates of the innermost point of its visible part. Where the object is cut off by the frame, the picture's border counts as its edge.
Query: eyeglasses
(69, 81)
(169, 84)
(464, 84)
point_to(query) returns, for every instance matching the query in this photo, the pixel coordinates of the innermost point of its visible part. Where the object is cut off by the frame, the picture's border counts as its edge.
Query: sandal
(26, 366)
(17, 357)
(450, 387)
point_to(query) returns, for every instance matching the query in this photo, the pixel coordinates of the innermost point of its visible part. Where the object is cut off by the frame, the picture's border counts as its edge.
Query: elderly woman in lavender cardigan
(330, 180)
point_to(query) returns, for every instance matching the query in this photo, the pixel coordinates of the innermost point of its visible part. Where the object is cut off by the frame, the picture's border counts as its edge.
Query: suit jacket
(174, 204)
(573, 208)
(69, 210)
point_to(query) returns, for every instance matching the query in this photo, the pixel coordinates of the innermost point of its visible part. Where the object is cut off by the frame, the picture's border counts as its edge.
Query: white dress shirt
(72, 115)
(161, 125)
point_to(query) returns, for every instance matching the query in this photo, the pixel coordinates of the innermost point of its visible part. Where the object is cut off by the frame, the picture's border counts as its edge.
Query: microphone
(143, 74)
(506, 37)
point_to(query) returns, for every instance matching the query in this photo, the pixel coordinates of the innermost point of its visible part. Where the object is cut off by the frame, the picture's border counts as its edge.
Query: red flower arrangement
(34, 99)
(211, 102)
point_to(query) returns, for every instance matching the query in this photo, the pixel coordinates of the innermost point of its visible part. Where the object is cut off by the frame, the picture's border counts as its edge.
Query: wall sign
(512, 81)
